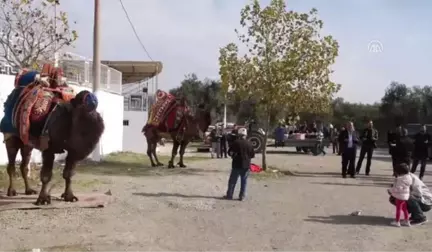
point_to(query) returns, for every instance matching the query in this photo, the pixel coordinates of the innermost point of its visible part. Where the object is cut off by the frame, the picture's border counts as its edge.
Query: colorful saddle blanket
(164, 104)
(34, 105)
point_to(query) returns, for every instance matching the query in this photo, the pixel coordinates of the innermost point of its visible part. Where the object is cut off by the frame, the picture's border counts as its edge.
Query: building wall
(133, 139)
(110, 107)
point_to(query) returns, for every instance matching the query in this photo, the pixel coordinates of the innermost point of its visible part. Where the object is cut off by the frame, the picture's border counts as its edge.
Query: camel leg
(12, 148)
(68, 172)
(173, 153)
(45, 177)
(26, 152)
(183, 146)
(150, 151)
(155, 156)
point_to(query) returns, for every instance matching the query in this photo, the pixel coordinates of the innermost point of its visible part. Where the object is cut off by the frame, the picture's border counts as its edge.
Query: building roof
(134, 71)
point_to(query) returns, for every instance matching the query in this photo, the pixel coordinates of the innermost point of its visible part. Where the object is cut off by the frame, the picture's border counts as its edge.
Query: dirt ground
(182, 211)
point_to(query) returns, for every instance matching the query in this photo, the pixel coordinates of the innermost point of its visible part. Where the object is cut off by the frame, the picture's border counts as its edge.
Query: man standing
(402, 149)
(350, 140)
(369, 138)
(421, 151)
(215, 143)
(340, 141)
(223, 144)
(241, 152)
(334, 138)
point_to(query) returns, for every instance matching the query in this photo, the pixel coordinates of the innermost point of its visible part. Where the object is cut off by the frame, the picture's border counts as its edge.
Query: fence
(78, 71)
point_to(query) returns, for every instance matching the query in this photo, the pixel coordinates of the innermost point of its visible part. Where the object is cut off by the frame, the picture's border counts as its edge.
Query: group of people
(219, 142)
(408, 193)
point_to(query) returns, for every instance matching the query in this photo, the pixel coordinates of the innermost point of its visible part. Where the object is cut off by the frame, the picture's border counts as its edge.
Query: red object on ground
(255, 168)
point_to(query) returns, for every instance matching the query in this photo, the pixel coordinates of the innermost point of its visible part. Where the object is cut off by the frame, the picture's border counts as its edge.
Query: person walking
(350, 140)
(334, 139)
(421, 151)
(215, 143)
(241, 152)
(223, 145)
(368, 138)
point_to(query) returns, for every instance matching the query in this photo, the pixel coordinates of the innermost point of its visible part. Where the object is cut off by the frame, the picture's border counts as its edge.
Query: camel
(50, 77)
(54, 122)
(189, 127)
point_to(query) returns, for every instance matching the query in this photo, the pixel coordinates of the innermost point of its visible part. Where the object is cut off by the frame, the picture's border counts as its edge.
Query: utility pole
(96, 66)
(96, 47)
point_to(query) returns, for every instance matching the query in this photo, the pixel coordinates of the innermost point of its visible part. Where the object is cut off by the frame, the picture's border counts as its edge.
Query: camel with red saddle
(42, 112)
(171, 116)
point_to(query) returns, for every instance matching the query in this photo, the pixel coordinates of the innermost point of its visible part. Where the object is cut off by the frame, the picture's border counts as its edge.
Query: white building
(139, 87)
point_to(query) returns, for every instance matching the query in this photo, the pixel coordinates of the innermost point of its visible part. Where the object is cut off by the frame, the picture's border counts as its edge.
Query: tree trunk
(264, 150)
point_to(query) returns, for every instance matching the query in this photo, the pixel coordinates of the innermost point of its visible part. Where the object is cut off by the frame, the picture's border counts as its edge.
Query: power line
(135, 32)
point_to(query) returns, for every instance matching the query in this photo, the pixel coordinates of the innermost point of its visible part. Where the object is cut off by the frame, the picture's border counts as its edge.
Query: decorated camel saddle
(167, 113)
(30, 106)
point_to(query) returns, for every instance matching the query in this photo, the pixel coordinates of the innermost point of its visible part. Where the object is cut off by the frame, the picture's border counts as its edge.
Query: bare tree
(31, 31)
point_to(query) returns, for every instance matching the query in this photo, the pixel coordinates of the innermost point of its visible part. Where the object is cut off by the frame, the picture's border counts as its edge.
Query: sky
(186, 37)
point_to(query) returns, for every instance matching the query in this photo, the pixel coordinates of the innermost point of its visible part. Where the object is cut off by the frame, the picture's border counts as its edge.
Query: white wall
(133, 139)
(110, 107)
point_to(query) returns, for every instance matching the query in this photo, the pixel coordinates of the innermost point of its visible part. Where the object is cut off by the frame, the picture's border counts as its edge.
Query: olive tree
(31, 32)
(286, 61)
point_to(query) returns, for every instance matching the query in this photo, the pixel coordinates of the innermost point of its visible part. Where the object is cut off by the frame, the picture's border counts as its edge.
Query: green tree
(287, 63)
(30, 32)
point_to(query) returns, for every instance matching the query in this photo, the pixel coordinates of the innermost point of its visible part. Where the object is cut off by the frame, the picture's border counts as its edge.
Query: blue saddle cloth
(6, 125)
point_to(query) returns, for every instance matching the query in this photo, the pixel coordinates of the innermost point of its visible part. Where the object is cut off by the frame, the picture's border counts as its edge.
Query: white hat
(242, 131)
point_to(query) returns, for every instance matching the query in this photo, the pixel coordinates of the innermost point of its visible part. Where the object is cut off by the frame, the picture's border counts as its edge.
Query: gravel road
(309, 211)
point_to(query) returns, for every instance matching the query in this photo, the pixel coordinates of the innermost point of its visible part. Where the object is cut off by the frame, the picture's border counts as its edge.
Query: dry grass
(117, 164)
(133, 164)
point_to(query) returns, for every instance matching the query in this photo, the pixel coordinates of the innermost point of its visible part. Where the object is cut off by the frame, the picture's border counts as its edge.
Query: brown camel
(190, 127)
(75, 127)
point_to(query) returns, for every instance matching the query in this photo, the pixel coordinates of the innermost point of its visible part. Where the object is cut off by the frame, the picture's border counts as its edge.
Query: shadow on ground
(351, 220)
(133, 164)
(178, 195)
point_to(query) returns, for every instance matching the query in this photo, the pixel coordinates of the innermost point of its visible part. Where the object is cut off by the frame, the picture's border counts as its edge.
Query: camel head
(87, 124)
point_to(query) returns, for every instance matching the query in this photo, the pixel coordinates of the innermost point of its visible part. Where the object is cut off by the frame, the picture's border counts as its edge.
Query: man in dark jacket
(241, 152)
(421, 151)
(368, 138)
(349, 140)
(392, 137)
(402, 149)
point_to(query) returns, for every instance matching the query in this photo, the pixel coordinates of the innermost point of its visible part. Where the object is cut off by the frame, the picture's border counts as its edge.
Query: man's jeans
(415, 208)
(235, 173)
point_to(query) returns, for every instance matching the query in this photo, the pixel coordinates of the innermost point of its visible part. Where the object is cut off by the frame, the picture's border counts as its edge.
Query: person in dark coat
(402, 149)
(241, 152)
(392, 137)
(223, 145)
(368, 138)
(349, 140)
(421, 150)
(340, 141)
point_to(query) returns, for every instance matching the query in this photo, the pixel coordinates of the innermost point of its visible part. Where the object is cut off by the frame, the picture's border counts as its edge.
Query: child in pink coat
(401, 191)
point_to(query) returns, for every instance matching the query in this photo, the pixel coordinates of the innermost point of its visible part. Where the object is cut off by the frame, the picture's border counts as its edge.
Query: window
(136, 102)
(125, 122)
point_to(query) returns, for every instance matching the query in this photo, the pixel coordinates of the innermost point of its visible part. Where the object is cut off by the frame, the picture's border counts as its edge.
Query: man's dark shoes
(227, 198)
(344, 175)
(418, 222)
(241, 198)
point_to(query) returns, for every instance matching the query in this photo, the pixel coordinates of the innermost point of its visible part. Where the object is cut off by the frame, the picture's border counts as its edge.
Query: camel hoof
(69, 197)
(43, 200)
(30, 192)
(160, 164)
(11, 192)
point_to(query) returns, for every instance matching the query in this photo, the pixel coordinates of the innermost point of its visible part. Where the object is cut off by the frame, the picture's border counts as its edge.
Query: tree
(31, 33)
(287, 63)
